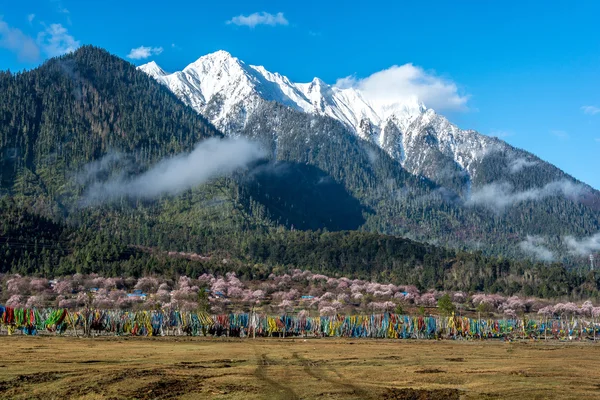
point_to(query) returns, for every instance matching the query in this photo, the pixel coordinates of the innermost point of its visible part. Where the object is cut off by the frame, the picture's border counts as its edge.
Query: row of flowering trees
(279, 293)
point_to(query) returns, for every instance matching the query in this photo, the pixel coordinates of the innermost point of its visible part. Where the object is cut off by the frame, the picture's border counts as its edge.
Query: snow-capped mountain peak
(228, 91)
(217, 62)
(220, 74)
(152, 69)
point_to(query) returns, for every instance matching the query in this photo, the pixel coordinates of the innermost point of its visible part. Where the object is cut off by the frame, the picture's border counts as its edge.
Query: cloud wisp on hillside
(519, 164)
(211, 158)
(499, 196)
(535, 246)
(584, 246)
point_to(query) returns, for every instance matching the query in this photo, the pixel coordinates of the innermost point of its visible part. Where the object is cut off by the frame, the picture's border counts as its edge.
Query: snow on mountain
(227, 91)
(236, 83)
(153, 70)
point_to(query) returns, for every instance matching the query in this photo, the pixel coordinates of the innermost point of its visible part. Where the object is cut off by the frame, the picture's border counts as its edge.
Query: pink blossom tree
(327, 311)
(381, 306)
(357, 288)
(547, 311)
(82, 299)
(96, 282)
(235, 292)
(220, 285)
(162, 296)
(64, 287)
(328, 296)
(337, 305)
(103, 301)
(113, 283)
(587, 307)
(147, 284)
(427, 300)
(35, 302)
(233, 280)
(286, 306)
(124, 303)
(17, 285)
(258, 294)
(459, 297)
(292, 294)
(319, 277)
(115, 295)
(15, 301)
(39, 285)
(206, 279)
(69, 303)
(343, 298)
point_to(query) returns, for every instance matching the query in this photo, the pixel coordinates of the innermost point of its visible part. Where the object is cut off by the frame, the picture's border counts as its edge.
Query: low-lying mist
(210, 159)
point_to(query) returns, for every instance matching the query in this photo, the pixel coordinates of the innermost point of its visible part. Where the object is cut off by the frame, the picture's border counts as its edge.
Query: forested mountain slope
(88, 110)
(34, 245)
(416, 172)
(76, 108)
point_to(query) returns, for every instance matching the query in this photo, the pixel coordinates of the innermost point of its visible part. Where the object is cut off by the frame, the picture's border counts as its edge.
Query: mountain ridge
(227, 91)
(76, 110)
(474, 176)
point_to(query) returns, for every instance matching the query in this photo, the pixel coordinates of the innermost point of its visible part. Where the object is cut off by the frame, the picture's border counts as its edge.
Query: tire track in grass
(317, 372)
(280, 391)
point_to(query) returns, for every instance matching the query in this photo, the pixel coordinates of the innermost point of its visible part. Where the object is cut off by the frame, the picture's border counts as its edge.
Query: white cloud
(405, 83)
(142, 52)
(518, 164)
(259, 18)
(591, 110)
(210, 159)
(56, 41)
(535, 245)
(584, 246)
(498, 196)
(16, 41)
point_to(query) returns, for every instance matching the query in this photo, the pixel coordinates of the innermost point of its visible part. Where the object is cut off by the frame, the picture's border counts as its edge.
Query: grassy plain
(213, 368)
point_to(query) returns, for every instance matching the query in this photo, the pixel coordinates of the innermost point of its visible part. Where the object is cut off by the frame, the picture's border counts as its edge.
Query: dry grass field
(197, 368)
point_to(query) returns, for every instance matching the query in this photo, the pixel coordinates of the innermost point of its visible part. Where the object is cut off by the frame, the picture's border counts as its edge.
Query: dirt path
(276, 389)
(315, 370)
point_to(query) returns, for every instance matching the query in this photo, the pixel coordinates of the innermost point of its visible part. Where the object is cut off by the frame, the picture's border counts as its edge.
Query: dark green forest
(322, 200)
(34, 245)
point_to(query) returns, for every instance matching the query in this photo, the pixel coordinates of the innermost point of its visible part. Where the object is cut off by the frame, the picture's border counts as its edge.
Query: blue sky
(530, 72)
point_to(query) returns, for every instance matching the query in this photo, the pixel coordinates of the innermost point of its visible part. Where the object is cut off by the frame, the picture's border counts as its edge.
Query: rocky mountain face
(229, 92)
